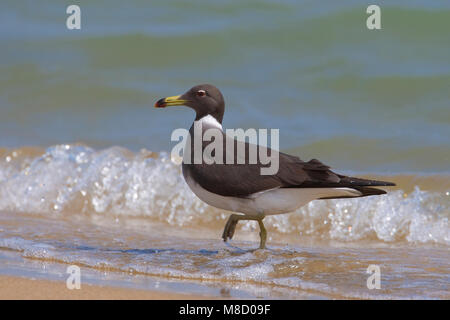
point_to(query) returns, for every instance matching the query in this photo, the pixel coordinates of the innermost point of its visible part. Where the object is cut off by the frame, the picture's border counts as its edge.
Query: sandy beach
(17, 288)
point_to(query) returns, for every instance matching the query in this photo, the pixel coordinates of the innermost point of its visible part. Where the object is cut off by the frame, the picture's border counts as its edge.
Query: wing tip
(385, 183)
(361, 182)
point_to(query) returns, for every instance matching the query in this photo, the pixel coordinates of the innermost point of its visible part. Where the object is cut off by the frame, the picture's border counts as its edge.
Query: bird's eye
(201, 93)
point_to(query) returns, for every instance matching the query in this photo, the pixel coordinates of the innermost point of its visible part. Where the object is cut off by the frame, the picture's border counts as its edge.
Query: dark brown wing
(315, 174)
(243, 180)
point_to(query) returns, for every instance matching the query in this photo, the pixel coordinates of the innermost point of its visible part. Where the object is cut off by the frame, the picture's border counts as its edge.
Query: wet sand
(17, 288)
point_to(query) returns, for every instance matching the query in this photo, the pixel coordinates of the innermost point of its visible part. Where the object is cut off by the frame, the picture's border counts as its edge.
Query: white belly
(275, 201)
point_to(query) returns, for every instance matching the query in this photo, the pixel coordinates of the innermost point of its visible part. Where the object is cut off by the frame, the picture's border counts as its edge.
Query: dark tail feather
(367, 191)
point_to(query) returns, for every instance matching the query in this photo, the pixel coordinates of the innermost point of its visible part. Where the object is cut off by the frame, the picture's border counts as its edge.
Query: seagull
(240, 186)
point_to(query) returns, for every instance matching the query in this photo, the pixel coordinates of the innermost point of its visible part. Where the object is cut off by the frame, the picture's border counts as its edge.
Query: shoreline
(21, 288)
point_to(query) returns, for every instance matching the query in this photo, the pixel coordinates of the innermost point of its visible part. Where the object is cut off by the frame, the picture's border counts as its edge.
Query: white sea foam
(75, 179)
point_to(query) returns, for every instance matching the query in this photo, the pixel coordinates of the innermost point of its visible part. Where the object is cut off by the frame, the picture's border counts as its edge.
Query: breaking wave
(68, 180)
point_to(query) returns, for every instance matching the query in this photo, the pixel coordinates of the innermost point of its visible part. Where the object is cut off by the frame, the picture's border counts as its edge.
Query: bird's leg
(262, 234)
(230, 226)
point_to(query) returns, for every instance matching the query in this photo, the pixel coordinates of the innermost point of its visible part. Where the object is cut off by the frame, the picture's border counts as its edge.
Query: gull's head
(205, 99)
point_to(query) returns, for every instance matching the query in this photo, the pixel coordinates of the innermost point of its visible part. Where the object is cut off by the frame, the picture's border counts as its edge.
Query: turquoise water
(86, 177)
(359, 100)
